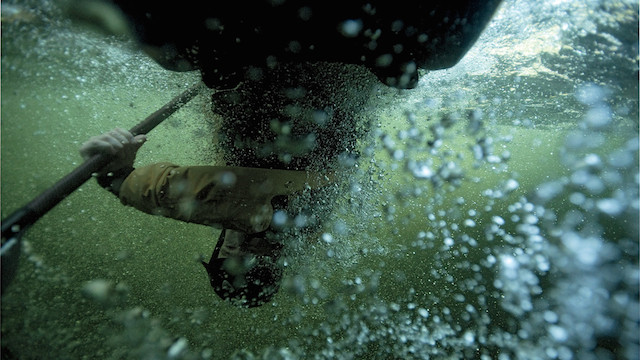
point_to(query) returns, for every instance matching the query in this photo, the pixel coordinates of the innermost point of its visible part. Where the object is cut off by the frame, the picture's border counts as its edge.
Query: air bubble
(511, 185)
(227, 178)
(598, 117)
(611, 207)
(590, 94)
(279, 218)
(422, 171)
(469, 223)
(351, 28)
(177, 348)
(300, 221)
(550, 317)
(100, 290)
(558, 333)
(423, 312)
(384, 60)
(469, 338)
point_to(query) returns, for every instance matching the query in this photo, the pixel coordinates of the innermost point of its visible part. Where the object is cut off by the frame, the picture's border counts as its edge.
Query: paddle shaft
(19, 220)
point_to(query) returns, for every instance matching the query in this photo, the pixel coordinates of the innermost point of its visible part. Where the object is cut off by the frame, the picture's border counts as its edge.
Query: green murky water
(524, 246)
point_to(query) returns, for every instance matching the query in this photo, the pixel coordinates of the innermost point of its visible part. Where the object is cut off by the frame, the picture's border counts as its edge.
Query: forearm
(197, 195)
(235, 198)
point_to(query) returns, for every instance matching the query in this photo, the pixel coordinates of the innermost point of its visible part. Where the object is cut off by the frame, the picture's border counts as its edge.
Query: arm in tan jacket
(230, 197)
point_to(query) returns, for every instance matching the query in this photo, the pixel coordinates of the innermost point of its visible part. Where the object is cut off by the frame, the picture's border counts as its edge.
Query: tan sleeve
(230, 197)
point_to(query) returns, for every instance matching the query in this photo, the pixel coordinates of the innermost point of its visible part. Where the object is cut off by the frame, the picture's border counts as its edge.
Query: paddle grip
(20, 219)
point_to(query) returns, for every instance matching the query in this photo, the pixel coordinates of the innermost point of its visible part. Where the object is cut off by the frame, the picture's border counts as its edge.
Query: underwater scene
(491, 212)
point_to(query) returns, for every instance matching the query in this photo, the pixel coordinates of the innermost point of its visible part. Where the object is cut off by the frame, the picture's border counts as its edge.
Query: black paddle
(14, 225)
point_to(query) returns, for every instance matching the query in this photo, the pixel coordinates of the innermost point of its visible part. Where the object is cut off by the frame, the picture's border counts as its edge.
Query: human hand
(118, 143)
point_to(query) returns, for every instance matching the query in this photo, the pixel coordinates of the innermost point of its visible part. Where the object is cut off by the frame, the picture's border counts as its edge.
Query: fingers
(140, 139)
(96, 145)
(118, 138)
(117, 142)
(117, 135)
(111, 142)
(121, 135)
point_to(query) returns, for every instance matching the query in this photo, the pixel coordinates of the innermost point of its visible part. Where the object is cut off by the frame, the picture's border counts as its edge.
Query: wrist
(112, 180)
